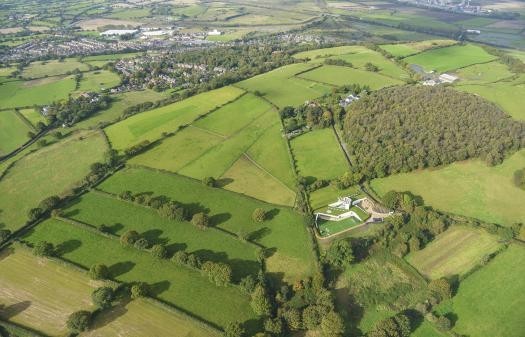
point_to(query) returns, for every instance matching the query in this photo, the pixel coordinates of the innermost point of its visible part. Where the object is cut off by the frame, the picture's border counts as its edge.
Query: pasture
(13, 131)
(468, 188)
(338, 76)
(33, 116)
(249, 179)
(483, 73)
(98, 208)
(329, 194)
(327, 52)
(151, 124)
(232, 212)
(52, 68)
(411, 48)
(319, 155)
(98, 80)
(181, 286)
(140, 318)
(39, 293)
(39, 92)
(507, 96)
(231, 118)
(46, 172)
(280, 87)
(490, 301)
(386, 67)
(450, 58)
(454, 252)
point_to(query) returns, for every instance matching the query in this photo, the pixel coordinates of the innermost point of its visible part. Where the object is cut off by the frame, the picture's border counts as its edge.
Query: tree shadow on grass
(220, 183)
(6, 312)
(253, 326)
(6, 252)
(272, 213)
(259, 234)
(105, 317)
(416, 318)
(67, 247)
(217, 219)
(242, 268)
(71, 213)
(175, 247)
(121, 268)
(194, 208)
(159, 287)
(153, 236)
(115, 228)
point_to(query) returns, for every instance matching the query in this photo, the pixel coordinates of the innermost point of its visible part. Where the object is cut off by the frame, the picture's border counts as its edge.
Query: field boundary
(24, 119)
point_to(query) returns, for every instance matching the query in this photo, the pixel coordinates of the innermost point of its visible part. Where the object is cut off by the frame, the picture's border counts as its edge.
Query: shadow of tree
(259, 234)
(12, 310)
(175, 247)
(159, 287)
(220, 183)
(272, 213)
(105, 317)
(120, 268)
(218, 219)
(153, 236)
(67, 247)
(6, 252)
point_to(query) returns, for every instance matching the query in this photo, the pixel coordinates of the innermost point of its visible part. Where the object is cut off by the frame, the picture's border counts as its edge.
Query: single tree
(332, 325)
(200, 220)
(129, 237)
(79, 321)
(140, 289)
(259, 215)
(103, 297)
(43, 248)
(159, 251)
(234, 329)
(99, 272)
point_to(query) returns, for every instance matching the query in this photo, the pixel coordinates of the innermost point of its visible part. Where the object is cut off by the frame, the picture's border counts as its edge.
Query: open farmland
(40, 293)
(183, 287)
(319, 155)
(490, 301)
(52, 68)
(13, 131)
(483, 73)
(41, 91)
(151, 124)
(280, 87)
(23, 187)
(140, 318)
(329, 194)
(232, 212)
(33, 115)
(98, 80)
(454, 252)
(450, 58)
(98, 208)
(407, 49)
(506, 95)
(468, 188)
(338, 76)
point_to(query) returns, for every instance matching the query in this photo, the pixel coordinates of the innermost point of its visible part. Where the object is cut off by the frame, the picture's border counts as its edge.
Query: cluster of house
(146, 33)
(348, 100)
(443, 78)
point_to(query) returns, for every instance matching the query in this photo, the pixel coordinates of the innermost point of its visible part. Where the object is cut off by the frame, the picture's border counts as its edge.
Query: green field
(327, 195)
(119, 104)
(407, 49)
(506, 95)
(232, 117)
(98, 80)
(13, 131)
(46, 172)
(232, 212)
(100, 208)
(140, 318)
(40, 293)
(319, 155)
(182, 286)
(490, 301)
(338, 76)
(281, 87)
(33, 116)
(327, 52)
(483, 73)
(454, 252)
(151, 124)
(450, 58)
(39, 92)
(468, 188)
(52, 68)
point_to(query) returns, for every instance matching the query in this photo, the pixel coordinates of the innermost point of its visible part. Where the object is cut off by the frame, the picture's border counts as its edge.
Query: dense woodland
(412, 127)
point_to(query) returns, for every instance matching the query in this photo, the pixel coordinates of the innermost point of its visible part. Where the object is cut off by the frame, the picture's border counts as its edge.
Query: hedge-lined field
(41, 91)
(46, 172)
(99, 208)
(232, 212)
(40, 293)
(406, 49)
(468, 188)
(151, 124)
(13, 131)
(52, 68)
(181, 286)
(454, 252)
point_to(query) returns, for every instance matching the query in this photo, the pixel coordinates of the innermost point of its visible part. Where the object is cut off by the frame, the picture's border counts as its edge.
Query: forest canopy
(412, 127)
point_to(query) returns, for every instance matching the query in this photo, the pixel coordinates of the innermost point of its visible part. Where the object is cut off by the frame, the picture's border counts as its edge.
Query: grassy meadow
(100, 208)
(46, 172)
(450, 58)
(338, 76)
(468, 188)
(411, 48)
(13, 131)
(490, 301)
(181, 286)
(232, 212)
(483, 73)
(52, 68)
(280, 87)
(39, 92)
(33, 116)
(151, 124)
(327, 195)
(140, 318)
(454, 252)
(319, 155)
(98, 80)
(39, 293)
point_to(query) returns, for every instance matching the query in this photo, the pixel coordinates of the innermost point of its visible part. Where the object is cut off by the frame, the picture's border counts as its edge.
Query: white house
(214, 32)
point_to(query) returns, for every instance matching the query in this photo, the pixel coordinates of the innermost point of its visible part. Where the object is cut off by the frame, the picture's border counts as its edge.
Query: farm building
(119, 32)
